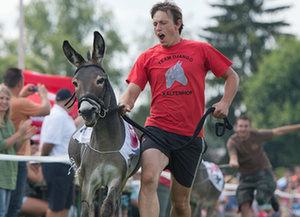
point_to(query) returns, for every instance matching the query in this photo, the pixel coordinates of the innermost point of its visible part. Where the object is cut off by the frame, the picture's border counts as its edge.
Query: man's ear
(179, 23)
(20, 84)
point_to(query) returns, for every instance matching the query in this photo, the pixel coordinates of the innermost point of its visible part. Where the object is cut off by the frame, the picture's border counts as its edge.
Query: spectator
(231, 207)
(57, 129)
(220, 206)
(285, 199)
(163, 193)
(295, 201)
(134, 185)
(10, 142)
(282, 182)
(297, 171)
(34, 202)
(22, 109)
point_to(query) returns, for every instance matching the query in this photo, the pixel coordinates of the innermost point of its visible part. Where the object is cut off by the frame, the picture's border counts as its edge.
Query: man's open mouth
(161, 36)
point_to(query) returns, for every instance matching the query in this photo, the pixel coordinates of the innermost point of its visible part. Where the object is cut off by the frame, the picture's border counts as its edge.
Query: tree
(272, 99)
(49, 22)
(244, 35)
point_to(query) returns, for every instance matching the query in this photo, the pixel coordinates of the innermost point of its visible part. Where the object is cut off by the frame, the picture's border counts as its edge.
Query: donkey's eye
(100, 81)
(75, 83)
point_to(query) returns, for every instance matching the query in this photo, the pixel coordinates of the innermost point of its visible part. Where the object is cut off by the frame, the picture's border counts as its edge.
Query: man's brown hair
(171, 9)
(244, 117)
(12, 76)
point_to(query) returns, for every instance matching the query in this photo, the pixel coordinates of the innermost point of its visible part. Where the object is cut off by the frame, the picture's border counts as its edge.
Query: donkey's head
(92, 87)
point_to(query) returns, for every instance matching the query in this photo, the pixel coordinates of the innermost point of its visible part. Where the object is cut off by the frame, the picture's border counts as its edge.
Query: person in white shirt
(57, 129)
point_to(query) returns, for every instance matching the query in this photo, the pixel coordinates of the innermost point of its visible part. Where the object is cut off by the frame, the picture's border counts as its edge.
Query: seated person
(33, 202)
(133, 185)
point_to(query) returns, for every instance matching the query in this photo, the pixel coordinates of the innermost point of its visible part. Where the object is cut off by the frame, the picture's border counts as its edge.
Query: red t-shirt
(176, 76)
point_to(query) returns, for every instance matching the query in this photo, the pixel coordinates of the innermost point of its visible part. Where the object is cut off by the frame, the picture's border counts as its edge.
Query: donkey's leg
(87, 194)
(118, 209)
(114, 191)
(211, 209)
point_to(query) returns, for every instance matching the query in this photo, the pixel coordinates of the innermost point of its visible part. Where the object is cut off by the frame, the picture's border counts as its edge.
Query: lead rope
(74, 166)
(86, 145)
(224, 125)
(203, 149)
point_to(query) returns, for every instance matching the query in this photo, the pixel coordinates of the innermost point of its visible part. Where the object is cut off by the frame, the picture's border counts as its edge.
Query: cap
(63, 94)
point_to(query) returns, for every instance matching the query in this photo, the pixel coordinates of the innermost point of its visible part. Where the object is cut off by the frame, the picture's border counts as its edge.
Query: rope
(224, 125)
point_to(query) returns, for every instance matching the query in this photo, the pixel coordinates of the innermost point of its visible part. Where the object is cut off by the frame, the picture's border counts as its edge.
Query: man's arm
(285, 129)
(230, 88)
(42, 91)
(233, 162)
(129, 97)
(45, 103)
(233, 157)
(46, 149)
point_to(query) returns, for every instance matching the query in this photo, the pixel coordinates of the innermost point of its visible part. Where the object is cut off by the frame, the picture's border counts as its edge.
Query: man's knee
(149, 181)
(180, 209)
(181, 206)
(262, 200)
(263, 196)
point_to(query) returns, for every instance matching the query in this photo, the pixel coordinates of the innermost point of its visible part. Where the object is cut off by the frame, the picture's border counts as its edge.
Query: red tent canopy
(53, 83)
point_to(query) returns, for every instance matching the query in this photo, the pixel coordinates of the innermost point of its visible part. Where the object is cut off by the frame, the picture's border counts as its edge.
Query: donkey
(207, 188)
(104, 149)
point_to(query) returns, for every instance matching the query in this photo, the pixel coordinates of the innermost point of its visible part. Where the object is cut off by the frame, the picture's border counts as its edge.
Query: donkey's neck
(109, 133)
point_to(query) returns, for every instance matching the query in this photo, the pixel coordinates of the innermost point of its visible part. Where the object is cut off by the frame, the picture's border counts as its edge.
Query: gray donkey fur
(99, 164)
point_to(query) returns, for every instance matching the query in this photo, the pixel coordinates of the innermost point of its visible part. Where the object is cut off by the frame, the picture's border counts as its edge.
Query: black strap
(224, 125)
(89, 65)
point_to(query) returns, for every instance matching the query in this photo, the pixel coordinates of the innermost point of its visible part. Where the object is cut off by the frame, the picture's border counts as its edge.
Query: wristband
(22, 139)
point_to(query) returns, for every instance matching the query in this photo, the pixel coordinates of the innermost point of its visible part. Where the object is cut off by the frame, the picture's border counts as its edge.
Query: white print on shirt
(176, 73)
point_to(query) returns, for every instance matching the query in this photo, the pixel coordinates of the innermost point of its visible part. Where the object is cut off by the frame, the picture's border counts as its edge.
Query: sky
(129, 14)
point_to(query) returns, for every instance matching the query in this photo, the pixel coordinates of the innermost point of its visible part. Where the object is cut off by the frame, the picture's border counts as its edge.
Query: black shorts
(59, 185)
(183, 163)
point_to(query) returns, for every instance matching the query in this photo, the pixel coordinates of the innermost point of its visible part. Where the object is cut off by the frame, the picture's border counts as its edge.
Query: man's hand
(123, 111)
(221, 110)
(26, 91)
(234, 164)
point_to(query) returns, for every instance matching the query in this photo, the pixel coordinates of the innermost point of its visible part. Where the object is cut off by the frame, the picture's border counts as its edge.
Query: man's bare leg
(246, 209)
(153, 163)
(180, 198)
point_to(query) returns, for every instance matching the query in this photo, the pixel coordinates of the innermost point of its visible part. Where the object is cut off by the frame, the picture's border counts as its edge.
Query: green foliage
(272, 99)
(141, 115)
(279, 171)
(49, 22)
(242, 34)
(6, 62)
(276, 85)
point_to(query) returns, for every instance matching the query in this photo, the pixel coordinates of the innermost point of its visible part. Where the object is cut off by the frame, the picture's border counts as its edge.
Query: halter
(99, 102)
(90, 65)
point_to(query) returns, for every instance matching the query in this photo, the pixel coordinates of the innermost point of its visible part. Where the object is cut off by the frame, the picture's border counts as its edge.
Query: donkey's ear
(73, 56)
(98, 48)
